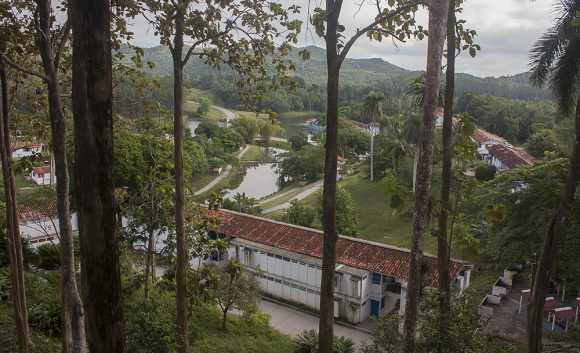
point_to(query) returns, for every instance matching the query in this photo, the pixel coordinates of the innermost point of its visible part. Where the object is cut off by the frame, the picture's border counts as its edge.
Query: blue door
(375, 307)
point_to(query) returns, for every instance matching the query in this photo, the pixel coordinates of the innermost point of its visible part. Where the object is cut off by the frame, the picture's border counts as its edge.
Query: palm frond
(542, 56)
(565, 77)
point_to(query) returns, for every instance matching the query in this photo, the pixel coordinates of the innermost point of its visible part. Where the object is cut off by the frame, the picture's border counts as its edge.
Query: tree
(372, 106)
(438, 13)
(298, 141)
(303, 165)
(298, 213)
(555, 59)
(543, 140)
(235, 288)
(346, 212)
(12, 231)
(93, 141)
(485, 172)
(204, 106)
(326, 23)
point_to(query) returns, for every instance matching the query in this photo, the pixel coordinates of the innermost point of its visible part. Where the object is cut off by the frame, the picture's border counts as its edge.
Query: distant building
(41, 175)
(371, 278)
(439, 116)
(25, 149)
(39, 224)
(503, 157)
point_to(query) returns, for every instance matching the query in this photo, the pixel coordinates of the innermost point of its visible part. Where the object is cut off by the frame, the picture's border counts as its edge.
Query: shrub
(307, 342)
(485, 172)
(5, 285)
(48, 256)
(45, 316)
(257, 319)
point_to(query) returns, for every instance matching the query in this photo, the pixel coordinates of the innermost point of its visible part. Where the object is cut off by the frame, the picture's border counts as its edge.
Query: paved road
(229, 114)
(220, 177)
(311, 190)
(292, 322)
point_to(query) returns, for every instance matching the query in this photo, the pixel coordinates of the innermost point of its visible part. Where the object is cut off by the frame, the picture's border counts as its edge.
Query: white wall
(25, 152)
(43, 231)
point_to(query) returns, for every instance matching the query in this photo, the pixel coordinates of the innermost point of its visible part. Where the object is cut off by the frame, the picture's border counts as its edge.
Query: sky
(506, 31)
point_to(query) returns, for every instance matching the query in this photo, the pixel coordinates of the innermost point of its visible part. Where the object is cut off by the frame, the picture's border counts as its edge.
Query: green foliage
(203, 106)
(485, 172)
(150, 325)
(45, 316)
(306, 164)
(48, 256)
(541, 141)
(346, 212)
(248, 127)
(242, 203)
(511, 119)
(298, 141)
(299, 213)
(5, 285)
(307, 342)
(257, 319)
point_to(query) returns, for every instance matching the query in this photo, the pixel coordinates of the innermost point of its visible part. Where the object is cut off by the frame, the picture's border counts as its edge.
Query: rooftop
(482, 136)
(375, 257)
(18, 145)
(510, 156)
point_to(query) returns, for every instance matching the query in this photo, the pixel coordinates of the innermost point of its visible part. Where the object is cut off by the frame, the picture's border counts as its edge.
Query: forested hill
(374, 72)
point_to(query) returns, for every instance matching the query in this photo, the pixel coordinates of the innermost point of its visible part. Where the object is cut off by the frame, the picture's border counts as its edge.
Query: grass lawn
(212, 114)
(241, 336)
(202, 181)
(377, 222)
(252, 154)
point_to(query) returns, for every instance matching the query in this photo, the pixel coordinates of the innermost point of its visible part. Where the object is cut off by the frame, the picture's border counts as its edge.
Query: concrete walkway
(220, 177)
(311, 190)
(291, 322)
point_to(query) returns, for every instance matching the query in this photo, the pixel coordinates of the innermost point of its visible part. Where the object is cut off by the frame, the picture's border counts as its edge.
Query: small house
(41, 175)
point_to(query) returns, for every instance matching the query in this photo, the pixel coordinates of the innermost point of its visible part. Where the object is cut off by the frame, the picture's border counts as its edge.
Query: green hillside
(374, 73)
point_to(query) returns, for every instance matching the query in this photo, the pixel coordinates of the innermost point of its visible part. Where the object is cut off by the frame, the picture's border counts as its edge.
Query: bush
(257, 319)
(45, 316)
(485, 172)
(48, 256)
(307, 342)
(5, 285)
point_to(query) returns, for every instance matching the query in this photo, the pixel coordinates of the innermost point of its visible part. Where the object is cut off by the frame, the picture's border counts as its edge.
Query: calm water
(260, 180)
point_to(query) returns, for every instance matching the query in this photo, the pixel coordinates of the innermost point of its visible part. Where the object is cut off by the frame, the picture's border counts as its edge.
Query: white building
(41, 175)
(370, 278)
(40, 225)
(25, 149)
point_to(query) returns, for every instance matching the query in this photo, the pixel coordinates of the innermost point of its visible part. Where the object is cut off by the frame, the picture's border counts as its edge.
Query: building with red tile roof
(41, 175)
(371, 277)
(503, 157)
(25, 149)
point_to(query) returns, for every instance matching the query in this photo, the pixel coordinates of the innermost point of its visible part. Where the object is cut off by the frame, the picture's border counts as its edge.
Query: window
(295, 286)
(310, 291)
(270, 255)
(271, 279)
(354, 283)
(279, 257)
(302, 289)
(278, 280)
(337, 278)
(286, 259)
(377, 278)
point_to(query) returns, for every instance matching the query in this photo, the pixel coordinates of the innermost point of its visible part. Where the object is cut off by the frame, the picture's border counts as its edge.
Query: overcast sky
(506, 31)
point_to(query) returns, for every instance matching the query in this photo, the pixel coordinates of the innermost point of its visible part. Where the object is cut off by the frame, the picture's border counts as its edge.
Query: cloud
(506, 31)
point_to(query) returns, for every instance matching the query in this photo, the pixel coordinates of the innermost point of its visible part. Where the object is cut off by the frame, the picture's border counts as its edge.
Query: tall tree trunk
(438, 11)
(443, 244)
(333, 61)
(14, 243)
(554, 232)
(93, 123)
(373, 150)
(181, 272)
(149, 267)
(72, 311)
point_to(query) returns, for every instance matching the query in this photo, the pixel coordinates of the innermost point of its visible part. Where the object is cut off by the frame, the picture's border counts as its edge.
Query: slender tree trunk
(373, 150)
(443, 243)
(554, 232)
(438, 11)
(72, 311)
(93, 123)
(326, 328)
(181, 272)
(224, 319)
(14, 243)
(149, 269)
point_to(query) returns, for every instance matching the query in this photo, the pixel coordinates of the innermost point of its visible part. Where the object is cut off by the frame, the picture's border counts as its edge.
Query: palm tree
(372, 106)
(555, 59)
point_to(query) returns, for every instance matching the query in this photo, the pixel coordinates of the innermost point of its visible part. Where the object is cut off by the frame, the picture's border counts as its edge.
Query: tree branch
(22, 68)
(360, 32)
(204, 40)
(64, 36)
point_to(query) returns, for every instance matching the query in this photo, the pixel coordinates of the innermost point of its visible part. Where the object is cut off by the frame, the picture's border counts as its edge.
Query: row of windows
(288, 284)
(283, 258)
